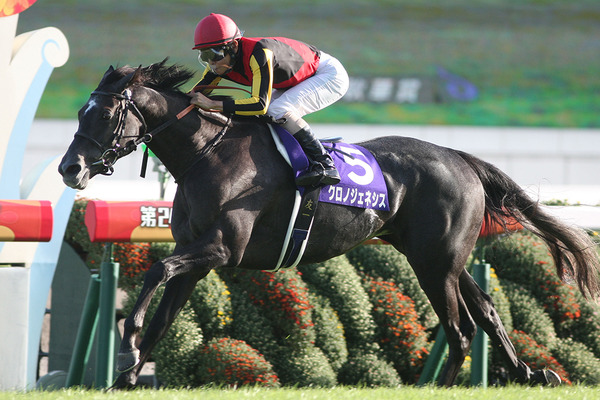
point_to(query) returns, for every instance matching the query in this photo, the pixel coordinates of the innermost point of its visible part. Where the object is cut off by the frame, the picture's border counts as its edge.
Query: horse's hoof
(123, 382)
(545, 377)
(552, 378)
(128, 361)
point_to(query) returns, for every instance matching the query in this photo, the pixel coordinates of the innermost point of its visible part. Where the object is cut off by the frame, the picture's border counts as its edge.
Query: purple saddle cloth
(362, 183)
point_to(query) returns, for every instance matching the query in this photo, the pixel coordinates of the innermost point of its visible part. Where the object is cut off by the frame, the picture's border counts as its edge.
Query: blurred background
(516, 63)
(425, 68)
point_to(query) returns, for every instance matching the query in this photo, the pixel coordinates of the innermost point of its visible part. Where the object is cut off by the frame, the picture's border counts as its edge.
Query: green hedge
(337, 280)
(330, 336)
(358, 319)
(529, 316)
(211, 301)
(501, 301)
(281, 298)
(581, 363)
(176, 355)
(367, 369)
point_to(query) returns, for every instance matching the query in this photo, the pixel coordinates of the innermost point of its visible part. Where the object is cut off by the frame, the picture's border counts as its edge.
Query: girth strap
(302, 226)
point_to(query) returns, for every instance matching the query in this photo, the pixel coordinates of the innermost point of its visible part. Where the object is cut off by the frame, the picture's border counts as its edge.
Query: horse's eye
(106, 114)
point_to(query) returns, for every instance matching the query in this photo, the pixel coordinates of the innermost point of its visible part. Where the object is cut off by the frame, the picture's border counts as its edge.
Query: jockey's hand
(205, 103)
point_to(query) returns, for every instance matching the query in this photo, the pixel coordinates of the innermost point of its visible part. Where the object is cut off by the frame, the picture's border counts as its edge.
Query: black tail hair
(572, 249)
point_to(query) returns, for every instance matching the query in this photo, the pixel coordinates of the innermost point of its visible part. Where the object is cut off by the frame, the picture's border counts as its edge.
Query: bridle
(110, 156)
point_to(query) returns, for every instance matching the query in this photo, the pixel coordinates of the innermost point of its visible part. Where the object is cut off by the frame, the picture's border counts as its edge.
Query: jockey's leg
(322, 170)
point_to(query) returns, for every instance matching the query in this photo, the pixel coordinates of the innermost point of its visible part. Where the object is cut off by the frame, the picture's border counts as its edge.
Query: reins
(147, 137)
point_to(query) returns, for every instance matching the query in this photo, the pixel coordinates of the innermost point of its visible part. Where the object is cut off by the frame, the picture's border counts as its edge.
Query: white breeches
(324, 88)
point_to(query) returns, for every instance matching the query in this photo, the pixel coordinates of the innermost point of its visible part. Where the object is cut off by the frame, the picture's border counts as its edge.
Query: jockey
(288, 80)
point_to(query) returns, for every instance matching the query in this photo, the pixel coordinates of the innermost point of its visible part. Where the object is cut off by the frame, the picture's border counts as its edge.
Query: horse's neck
(184, 141)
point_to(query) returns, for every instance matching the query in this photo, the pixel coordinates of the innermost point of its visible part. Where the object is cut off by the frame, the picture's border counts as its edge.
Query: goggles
(213, 54)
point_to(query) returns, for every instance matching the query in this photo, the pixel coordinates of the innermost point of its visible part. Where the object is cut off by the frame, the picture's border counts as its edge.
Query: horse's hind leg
(437, 242)
(444, 295)
(438, 267)
(481, 307)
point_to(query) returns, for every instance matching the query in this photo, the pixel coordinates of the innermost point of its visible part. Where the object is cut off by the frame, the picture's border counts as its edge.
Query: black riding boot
(322, 169)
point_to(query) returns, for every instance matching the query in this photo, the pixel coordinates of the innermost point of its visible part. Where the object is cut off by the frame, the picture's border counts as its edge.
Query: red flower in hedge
(284, 295)
(232, 362)
(134, 260)
(401, 334)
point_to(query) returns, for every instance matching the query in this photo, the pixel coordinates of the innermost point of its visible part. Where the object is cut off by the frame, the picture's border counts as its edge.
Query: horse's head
(111, 125)
(109, 122)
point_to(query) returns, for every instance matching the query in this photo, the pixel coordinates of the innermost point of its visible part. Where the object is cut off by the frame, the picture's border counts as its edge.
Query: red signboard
(25, 220)
(129, 221)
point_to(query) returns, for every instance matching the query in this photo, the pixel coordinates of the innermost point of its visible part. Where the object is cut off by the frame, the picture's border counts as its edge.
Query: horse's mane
(159, 76)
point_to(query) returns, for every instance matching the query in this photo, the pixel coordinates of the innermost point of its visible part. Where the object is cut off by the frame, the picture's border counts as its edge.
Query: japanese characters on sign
(155, 217)
(129, 221)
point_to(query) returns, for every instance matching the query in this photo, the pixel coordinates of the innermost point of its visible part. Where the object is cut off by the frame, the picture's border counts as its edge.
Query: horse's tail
(572, 249)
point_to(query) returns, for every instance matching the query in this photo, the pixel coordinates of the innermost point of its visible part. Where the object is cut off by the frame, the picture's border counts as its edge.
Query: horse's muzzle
(75, 175)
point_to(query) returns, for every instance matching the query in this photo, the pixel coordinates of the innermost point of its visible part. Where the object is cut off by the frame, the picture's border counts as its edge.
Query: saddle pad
(362, 183)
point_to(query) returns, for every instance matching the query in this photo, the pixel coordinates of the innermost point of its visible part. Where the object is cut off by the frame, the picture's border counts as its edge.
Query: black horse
(235, 196)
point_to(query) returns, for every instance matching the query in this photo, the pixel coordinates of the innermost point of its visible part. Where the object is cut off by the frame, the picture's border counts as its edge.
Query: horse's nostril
(72, 170)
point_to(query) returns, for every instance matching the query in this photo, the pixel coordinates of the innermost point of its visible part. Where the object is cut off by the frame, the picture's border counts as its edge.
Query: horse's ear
(109, 71)
(136, 77)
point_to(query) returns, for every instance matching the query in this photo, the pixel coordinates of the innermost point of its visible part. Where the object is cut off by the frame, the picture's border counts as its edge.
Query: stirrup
(331, 176)
(318, 175)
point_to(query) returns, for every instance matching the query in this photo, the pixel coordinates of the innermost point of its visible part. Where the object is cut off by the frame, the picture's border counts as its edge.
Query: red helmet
(214, 30)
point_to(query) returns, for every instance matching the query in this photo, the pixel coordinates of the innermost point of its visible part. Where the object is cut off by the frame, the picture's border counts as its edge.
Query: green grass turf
(339, 393)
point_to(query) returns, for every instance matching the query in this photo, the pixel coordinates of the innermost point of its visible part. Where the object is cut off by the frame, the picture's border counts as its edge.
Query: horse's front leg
(177, 292)
(221, 246)
(129, 355)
